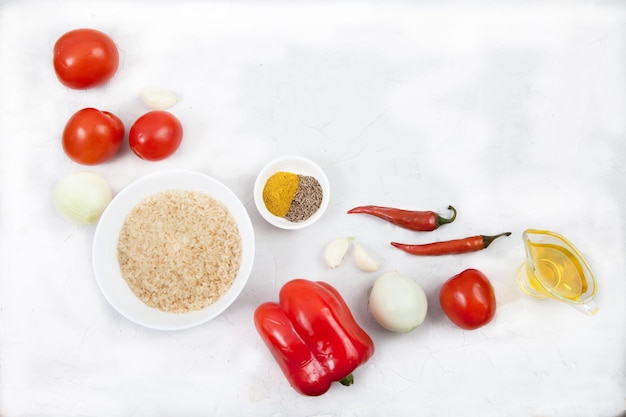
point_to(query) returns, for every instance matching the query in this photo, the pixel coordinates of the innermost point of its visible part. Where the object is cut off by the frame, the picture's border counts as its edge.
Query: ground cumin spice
(292, 196)
(307, 201)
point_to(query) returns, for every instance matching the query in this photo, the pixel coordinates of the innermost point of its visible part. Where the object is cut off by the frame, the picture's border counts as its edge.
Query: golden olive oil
(560, 270)
(554, 268)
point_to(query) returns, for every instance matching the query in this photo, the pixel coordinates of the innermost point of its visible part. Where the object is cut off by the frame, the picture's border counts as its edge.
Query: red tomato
(468, 299)
(85, 58)
(155, 135)
(92, 136)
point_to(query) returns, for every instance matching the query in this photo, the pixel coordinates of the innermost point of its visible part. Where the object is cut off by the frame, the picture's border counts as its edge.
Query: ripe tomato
(92, 136)
(468, 299)
(155, 135)
(85, 58)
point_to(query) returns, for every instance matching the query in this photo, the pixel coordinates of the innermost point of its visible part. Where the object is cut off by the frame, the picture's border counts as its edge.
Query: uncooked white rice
(179, 251)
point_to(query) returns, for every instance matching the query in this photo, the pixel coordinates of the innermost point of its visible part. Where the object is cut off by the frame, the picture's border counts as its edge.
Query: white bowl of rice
(173, 250)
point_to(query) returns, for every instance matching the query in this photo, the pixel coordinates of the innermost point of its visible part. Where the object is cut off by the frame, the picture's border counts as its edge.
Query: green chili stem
(443, 220)
(488, 239)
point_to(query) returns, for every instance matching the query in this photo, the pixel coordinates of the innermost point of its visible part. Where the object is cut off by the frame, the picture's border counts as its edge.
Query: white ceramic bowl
(107, 268)
(297, 165)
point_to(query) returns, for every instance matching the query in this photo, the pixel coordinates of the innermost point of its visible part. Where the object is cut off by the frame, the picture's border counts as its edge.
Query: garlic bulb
(397, 302)
(363, 259)
(81, 197)
(336, 250)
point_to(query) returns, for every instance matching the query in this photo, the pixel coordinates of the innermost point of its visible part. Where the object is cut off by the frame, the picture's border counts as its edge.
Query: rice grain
(179, 251)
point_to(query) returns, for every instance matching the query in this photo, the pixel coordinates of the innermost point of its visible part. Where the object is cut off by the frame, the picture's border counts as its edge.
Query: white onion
(336, 250)
(81, 197)
(397, 302)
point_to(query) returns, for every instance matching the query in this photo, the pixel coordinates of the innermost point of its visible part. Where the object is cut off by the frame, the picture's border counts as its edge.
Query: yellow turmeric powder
(279, 191)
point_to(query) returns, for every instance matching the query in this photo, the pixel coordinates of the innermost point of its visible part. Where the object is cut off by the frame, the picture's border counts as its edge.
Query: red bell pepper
(313, 336)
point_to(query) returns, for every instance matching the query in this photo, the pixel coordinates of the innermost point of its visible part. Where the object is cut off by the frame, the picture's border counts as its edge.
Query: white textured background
(513, 112)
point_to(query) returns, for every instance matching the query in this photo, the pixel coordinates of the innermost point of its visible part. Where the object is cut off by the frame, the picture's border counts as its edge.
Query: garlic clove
(336, 250)
(158, 98)
(364, 260)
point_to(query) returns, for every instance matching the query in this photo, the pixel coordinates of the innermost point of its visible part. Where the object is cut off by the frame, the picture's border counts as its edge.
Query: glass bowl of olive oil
(555, 269)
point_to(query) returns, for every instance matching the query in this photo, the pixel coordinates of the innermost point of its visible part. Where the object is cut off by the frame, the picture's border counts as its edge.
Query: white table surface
(514, 113)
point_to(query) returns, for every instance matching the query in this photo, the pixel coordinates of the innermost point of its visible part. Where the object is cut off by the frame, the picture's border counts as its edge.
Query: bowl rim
(298, 165)
(104, 249)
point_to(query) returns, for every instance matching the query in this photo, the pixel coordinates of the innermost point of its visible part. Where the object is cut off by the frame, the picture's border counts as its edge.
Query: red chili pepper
(313, 336)
(468, 244)
(420, 221)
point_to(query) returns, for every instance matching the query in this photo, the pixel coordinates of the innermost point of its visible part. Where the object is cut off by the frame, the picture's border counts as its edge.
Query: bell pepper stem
(443, 220)
(348, 380)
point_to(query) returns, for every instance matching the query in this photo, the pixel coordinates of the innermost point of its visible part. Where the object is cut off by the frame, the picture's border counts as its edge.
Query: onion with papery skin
(81, 197)
(397, 302)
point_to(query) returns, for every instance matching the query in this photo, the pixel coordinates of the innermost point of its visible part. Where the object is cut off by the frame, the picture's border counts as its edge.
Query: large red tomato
(155, 135)
(92, 136)
(85, 58)
(468, 299)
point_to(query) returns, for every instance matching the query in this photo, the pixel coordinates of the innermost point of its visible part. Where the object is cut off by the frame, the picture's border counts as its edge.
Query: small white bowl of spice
(291, 192)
